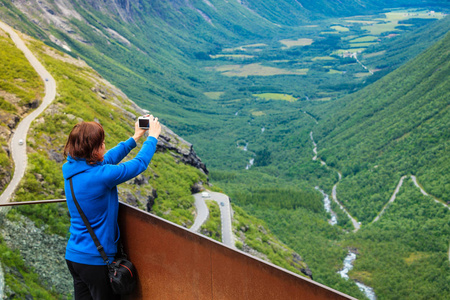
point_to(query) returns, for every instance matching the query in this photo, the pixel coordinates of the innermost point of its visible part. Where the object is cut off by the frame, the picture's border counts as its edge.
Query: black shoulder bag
(121, 272)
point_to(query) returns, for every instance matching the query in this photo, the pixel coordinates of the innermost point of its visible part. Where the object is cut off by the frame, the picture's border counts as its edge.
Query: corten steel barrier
(175, 263)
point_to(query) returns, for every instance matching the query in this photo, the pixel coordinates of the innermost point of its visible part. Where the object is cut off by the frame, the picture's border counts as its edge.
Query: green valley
(281, 101)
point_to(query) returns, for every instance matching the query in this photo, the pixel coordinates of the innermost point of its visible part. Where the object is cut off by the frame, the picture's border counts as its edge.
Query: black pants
(91, 282)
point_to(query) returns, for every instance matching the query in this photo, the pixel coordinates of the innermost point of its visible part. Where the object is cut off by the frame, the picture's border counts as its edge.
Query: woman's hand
(154, 130)
(155, 127)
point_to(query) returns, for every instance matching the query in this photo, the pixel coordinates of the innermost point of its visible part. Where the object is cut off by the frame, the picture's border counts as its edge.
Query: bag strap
(88, 226)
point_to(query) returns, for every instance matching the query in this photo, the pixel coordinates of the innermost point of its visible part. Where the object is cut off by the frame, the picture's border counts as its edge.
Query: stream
(356, 224)
(350, 258)
(250, 163)
(327, 206)
(348, 265)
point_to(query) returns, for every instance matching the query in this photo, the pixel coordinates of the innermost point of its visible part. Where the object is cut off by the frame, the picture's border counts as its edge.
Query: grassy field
(329, 32)
(232, 56)
(256, 69)
(359, 45)
(340, 28)
(332, 71)
(352, 50)
(369, 38)
(392, 19)
(295, 43)
(380, 28)
(214, 95)
(258, 113)
(360, 22)
(362, 74)
(323, 58)
(374, 54)
(275, 96)
(251, 47)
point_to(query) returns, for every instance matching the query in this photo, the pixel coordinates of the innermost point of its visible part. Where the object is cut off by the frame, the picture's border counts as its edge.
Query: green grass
(323, 58)
(332, 71)
(275, 96)
(340, 28)
(295, 43)
(19, 86)
(359, 45)
(214, 95)
(380, 28)
(213, 226)
(256, 69)
(232, 56)
(364, 39)
(19, 80)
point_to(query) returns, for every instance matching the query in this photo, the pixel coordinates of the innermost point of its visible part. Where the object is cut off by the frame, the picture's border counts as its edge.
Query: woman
(95, 175)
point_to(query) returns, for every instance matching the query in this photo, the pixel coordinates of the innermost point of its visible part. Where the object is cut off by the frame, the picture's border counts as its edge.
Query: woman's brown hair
(85, 142)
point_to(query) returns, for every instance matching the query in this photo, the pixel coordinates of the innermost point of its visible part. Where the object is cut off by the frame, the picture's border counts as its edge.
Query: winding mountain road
(19, 154)
(355, 223)
(414, 179)
(225, 214)
(399, 185)
(392, 199)
(202, 212)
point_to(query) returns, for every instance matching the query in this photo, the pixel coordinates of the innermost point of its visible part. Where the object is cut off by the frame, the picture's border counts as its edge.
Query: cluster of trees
(397, 127)
(404, 255)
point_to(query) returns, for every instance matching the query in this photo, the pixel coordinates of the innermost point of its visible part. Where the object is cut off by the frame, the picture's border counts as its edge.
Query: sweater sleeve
(116, 154)
(117, 174)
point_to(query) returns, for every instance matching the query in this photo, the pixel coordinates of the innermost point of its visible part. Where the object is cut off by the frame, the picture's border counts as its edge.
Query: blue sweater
(96, 192)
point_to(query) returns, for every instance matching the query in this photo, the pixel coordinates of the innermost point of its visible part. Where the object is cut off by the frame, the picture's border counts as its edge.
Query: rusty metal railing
(32, 202)
(175, 263)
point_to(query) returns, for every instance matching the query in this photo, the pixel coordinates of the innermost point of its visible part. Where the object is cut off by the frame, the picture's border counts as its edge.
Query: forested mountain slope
(395, 127)
(164, 189)
(144, 47)
(399, 50)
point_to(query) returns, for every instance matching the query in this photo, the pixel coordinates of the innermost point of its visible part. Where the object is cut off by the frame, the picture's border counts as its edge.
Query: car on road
(20, 142)
(205, 194)
(46, 79)
(222, 204)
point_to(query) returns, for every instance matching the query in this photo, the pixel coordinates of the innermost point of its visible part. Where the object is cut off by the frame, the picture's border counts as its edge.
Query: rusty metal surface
(32, 202)
(174, 263)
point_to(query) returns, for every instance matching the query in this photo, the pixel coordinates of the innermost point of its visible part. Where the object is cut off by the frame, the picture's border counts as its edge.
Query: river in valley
(327, 206)
(348, 265)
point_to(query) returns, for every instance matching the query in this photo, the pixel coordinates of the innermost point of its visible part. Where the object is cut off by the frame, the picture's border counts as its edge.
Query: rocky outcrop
(170, 141)
(182, 150)
(299, 264)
